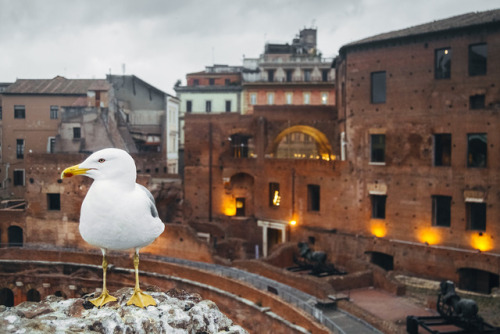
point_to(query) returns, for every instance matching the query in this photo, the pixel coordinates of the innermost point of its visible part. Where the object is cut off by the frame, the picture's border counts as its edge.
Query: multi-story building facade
(289, 74)
(414, 190)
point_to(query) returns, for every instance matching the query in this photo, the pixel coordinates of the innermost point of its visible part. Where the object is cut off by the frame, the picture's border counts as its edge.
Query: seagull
(117, 213)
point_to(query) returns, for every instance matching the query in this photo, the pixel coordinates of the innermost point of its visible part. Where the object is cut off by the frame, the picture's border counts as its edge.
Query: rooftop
(468, 20)
(56, 86)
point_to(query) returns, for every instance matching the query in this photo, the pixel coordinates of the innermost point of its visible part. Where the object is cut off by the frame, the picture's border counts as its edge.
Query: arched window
(6, 297)
(302, 142)
(15, 236)
(33, 296)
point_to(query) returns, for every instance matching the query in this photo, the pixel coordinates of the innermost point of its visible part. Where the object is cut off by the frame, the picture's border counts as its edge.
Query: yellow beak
(73, 170)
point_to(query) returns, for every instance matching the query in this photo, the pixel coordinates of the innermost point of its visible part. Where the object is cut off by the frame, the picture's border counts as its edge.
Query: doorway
(240, 206)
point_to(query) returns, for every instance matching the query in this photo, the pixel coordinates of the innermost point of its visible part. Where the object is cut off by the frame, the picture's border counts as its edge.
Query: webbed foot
(103, 299)
(141, 299)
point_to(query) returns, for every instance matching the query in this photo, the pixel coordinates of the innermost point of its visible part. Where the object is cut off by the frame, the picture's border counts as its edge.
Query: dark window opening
(7, 297)
(196, 82)
(477, 150)
(54, 202)
(442, 149)
(19, 112)
(307, 75)
(377, 146)
(324, 75)
(77, 133)
(228, 106)
(241, 146)
(189, 106)
(478, 58)
(270, 75)
(476, 216)
(15, 235)
(211, 81)
(19, 177)
(33, 296)
(313, 197)
(378, 206)
(208, 106)
(274, 194)
(289, 75)
(384, 261)
(441, 211)
(477, 101)
(227, 82)
(378, 87)
(442, 66)
(477, 280)
(20, 148)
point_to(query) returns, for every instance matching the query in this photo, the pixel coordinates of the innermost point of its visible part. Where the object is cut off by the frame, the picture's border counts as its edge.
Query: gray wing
(152, 206)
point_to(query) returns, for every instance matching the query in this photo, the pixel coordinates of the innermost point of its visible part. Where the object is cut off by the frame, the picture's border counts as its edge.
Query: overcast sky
(162, 40)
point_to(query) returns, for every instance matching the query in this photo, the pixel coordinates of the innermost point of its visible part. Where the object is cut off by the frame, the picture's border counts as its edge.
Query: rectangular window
(478, 58)
(54, 202)
(77, 133)
(228, 105)
(441, 210)
(20, 148)
(19, 177)
(253, 99)
(189, 106)
(270, 98)
(442, 149)
(477, 150)
(442, 64)
(19, 112)
(208, 106)
(378, 87)
(476, 216)
(307, 75)
(1, 112)
(378, 206)
(476, 101)
(313, 197)
(240, 206)
(227, 82)
(54, 110)
(324, 98)
(324, 75)
(274, 194)
(289, 75)
(377, 148)
(307, 98)
(51, 143)
(270, 75)
(289, 98)
(211, 81)
(196, 82)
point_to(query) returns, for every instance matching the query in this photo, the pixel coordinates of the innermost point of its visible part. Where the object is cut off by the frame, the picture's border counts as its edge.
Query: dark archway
(6, 297)
(33, 296)
(15, 234)
(477, 280)
(384, 261)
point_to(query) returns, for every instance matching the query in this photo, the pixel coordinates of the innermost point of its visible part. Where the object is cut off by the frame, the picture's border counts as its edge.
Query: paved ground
(387, 306)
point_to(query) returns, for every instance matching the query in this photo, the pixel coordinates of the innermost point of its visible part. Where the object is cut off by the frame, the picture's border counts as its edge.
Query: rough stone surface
(177, 312)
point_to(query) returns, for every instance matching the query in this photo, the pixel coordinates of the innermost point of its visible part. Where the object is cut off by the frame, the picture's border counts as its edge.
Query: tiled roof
(456, 22)
(57, 86)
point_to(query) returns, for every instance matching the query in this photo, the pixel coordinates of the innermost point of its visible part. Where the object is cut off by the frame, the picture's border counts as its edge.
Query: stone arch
(477, 280)
(238, 195)
(6, 297)
(320, 143)
(15, 235)
(33, 295)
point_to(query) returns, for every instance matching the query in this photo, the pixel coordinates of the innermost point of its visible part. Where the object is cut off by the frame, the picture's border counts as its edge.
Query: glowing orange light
(293, 222)
(429, 236)
(229, 206)
(378, 229)
(481, 241)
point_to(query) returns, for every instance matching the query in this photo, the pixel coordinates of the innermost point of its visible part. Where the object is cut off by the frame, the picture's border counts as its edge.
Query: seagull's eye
(101, 160)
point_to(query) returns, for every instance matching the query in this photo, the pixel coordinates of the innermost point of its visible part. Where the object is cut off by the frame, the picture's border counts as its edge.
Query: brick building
(415, 128)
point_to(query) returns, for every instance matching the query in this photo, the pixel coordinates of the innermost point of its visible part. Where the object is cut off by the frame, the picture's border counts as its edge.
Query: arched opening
(33, 296)
(302, 142)
(6, 297)
(477, 280)
(242, 192)
(59, 293)
(15, 234)
(384, 261)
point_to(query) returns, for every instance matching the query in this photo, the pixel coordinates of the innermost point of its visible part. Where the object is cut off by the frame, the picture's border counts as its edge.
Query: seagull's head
(107, 164)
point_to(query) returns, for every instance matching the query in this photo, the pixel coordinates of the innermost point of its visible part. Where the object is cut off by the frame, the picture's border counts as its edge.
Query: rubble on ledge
(176, 312)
